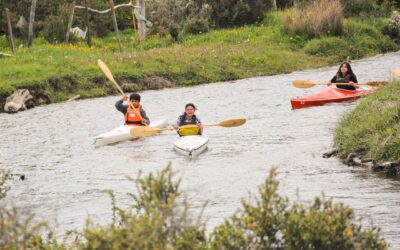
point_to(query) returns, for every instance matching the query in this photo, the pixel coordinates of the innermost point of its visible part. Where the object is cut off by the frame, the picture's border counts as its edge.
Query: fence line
(108, 10)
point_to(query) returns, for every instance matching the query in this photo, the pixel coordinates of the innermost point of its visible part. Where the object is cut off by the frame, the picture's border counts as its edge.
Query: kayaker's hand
(124, 98)
(199, 125)
(354, 84)
(329, 83)
(174, 126)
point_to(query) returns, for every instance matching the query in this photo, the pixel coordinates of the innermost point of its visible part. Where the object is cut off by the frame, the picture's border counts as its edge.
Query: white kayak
(191, 145)
(122, 133)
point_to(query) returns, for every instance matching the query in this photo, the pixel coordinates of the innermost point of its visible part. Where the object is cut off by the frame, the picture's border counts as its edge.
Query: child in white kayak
(188, 118)
(134, 114)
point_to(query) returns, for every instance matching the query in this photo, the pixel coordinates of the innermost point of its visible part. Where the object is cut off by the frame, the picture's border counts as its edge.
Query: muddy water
(66, 176)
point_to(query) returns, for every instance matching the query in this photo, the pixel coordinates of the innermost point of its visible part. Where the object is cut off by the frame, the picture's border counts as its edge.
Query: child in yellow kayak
(188, 118)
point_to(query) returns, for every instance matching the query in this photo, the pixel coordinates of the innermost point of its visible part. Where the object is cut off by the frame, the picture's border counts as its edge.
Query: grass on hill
(60, 71)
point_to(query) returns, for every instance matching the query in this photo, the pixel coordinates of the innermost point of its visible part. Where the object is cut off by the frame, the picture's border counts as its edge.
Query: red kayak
(331, 95)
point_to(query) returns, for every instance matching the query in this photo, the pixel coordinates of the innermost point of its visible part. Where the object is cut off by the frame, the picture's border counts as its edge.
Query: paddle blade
(105, 70)
(303, 84)
(232, 123)
(143, 131)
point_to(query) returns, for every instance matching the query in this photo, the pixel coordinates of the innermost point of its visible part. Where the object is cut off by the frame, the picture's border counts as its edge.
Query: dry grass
(320, 18)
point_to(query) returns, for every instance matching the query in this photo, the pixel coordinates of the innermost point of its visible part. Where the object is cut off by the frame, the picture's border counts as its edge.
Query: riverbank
(370, 134)
(55, 73)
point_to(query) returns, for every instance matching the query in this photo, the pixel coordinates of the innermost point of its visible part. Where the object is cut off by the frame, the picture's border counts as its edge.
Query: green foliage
(196, 26)
(368, 7)
(228, 13)
(392, 27)
(317, 19)
(274, 223)
(373, 128)
(19, 231)
(362, 37)
(165, 13)
(158, 220)
(4, 175)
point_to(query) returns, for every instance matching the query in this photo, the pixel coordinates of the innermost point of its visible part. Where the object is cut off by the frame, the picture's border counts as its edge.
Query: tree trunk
(10, 31)
(141, 23)
(89, 39)
(274, 6)
(114, 17)
(31, 23)
(71, 19)
(135, 34)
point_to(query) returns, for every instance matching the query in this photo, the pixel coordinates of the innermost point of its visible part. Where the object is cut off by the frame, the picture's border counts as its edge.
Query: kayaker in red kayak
(133, 112)
(187, 118)
(345, 75)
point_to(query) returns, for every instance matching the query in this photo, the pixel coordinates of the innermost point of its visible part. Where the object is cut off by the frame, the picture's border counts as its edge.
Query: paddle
(110, 77)
(141, 131)
(308, 84)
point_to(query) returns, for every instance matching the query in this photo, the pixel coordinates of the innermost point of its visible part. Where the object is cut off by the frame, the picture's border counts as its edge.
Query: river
(66, 176)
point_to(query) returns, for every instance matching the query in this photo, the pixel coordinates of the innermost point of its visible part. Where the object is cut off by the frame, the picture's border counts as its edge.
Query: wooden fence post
(135, 35)
(115, 25)
(71, 19)
(141, 23)
(89, 39)
(10, 31)
(31, 23)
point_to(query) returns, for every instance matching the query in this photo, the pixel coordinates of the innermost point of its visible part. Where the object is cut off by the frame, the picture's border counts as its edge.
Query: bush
(334, 47)
(321, 18)
(227, 13)
(392, 27)
(273, 223)
(158, 220)
(197, 26)
(163, 13)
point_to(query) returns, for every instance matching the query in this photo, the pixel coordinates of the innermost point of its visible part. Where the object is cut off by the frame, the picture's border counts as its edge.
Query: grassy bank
(61, 71)
(372, 129)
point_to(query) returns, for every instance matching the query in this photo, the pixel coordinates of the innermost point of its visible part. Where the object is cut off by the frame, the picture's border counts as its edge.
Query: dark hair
(349, 70)
(188, 105)
(135, 97)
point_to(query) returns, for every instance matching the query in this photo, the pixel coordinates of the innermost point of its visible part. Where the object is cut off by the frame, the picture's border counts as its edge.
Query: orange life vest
(132, 116)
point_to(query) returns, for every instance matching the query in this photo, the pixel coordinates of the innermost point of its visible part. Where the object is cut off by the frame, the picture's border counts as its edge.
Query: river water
(66, 176)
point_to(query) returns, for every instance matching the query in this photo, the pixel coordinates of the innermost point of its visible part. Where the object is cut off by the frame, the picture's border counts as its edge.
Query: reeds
(321, 18)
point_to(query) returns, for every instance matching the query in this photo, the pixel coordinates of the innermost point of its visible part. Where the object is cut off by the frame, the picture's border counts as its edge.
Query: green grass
(61, 71)
(373, 128)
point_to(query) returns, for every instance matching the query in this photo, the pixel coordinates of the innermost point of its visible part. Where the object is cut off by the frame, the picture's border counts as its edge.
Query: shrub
(392, 27)
(273, 223)
(197, 26)
(158, 220)
(323, 17)
(163, 13)
(227, 13)
(334, 47)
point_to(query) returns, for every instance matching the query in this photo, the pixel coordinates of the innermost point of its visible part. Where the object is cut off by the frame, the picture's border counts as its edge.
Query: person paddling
(345, 75)
(134, 114)
(188, 118)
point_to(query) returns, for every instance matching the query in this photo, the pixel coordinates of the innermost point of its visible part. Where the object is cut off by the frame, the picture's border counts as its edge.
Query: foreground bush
(392, 27)
(159, 219)
(373, 128)
(275, 223)
(320, 18)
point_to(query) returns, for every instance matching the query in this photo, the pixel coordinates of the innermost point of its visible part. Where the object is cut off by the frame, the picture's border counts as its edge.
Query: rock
(330, 153)
(349, 160)
(21, 99)
(130, 87)
(156, 82)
